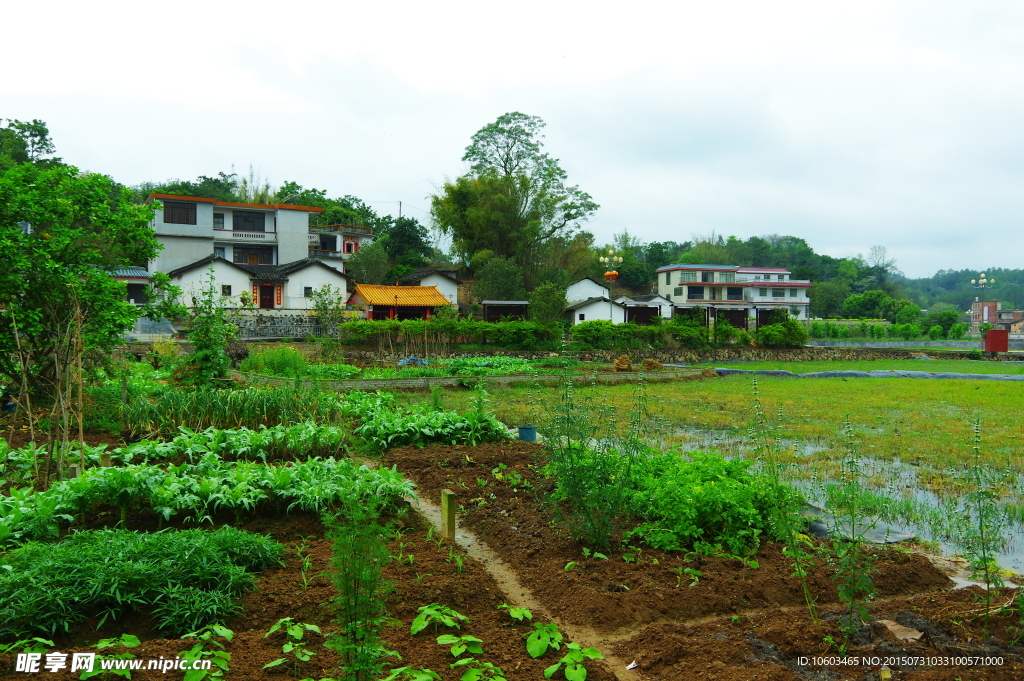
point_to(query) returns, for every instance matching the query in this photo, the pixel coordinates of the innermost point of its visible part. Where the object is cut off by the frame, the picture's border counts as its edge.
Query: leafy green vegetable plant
(479, 671)
(294, 645)
(543, 637)
(219, 658)
(123, 641)
(435, 614)
(572, 662)
(519, 614)
(460, 644)
(410, 674)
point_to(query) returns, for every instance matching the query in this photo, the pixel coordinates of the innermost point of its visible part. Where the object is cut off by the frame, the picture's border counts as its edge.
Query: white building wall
(192, 282)
(448, 288)
(292, 235)
(583, 289)
(606, 310)
(313, 277)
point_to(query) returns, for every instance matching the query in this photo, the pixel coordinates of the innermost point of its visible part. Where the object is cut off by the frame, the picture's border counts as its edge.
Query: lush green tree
(874, 304)
(62, 234)
(906, 312)
(407, 238)
(547, 303)
(369, 265)
(210, 332)
(944, 319)
(500, 279)
(827, 297)
(515, 197)
(25, 142)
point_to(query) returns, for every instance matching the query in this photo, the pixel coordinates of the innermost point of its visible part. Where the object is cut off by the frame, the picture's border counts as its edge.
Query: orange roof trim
(279, 206)
(417, 296)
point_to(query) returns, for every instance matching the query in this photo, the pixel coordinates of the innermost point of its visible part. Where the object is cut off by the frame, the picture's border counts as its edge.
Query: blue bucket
(528, 433)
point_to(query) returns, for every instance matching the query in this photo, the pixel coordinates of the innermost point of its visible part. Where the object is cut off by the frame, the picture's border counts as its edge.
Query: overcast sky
(848, 124)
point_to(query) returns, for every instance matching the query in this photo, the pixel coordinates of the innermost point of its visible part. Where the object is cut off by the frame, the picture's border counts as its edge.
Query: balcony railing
(244, 236)
(323, 253)
(341, 229)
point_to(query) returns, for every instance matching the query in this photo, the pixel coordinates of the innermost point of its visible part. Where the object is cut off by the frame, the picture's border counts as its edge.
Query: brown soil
(736, 623)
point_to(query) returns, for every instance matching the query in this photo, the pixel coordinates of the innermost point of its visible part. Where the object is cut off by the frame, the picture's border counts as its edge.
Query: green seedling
(484, 671)
(436, 615)
(220, 658)
(460, 644)
(410, 674)
(419, 577)
(695, 575)
(570, 565)
(124, 641)
(593, 554)
(573, 662)
(293, 644)
(543, 636)
(520, 614)
(28, 645)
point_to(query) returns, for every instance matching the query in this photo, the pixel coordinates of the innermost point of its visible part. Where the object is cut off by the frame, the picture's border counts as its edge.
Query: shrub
(935, 333)
(957, 331)
(788, 334)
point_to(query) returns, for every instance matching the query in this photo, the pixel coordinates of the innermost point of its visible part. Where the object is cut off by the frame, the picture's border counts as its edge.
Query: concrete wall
(606, 310)
(192, 282)
(292, 235)
(581, 290)
(957, 345)
(314, 277)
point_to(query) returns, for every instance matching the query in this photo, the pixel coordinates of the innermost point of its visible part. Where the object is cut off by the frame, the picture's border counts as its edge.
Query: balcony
(322, 253)
(238, 235)
(355, 230)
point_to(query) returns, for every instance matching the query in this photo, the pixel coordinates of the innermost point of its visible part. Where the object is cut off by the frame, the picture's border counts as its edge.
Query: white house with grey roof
(742, 296)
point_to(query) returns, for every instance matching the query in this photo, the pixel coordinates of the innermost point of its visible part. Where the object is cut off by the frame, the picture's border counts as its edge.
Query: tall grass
(248, 408)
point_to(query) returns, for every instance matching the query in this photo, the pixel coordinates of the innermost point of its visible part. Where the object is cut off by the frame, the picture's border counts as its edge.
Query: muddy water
(913, 508)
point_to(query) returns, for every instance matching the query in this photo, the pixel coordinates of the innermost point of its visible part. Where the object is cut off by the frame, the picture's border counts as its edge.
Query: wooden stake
(448, 514)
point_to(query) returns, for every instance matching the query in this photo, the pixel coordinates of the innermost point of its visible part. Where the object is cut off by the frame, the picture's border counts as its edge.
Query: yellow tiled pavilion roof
(414, 296)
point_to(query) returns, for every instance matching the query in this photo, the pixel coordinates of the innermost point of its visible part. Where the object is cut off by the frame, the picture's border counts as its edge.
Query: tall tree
(369, 265)
(25, 142)
(514, 198)
(61, 234)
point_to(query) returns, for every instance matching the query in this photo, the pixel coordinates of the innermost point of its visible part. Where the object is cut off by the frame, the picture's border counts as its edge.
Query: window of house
(245, 221)
(757, 277)
(668, 278)
(727, 277)
(778, 293)
(677, 291)
(695, 292)
(307, 291)
(218, 251)
(179, 213)
(350, 247)
(793, 293)
(225, 289)
(582, 317)
(218, 220)
(707, 276)
(734, 293)
(762, 292)
(253, 255)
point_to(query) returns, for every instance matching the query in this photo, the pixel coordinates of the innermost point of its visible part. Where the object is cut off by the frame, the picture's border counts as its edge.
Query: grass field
(912, 439)
(938, 365)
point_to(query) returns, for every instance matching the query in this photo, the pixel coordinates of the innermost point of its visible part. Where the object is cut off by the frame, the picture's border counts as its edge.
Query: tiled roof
(129, 273)
(259, 272)
(420, 274)
(278, 206)
(688, 266)
(416, 296)
(583, 303)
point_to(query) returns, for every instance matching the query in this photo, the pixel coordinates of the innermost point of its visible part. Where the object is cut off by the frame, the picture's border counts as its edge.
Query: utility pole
(399, 210)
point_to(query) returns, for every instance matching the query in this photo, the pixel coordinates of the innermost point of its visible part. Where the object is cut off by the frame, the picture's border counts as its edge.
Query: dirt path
(520, 596)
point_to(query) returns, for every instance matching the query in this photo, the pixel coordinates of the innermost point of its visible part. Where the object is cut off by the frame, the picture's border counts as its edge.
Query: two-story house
(264, 251)
(738, 295)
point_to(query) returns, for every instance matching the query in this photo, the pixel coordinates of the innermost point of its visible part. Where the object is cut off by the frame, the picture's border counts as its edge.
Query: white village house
(741, 296)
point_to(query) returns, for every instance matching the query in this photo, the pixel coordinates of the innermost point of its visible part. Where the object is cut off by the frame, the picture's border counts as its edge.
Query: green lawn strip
(185, 579)
(938, 365)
